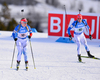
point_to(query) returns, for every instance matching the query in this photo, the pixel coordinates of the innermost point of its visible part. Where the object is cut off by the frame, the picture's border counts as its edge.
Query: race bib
(22, 35)
(78, 30)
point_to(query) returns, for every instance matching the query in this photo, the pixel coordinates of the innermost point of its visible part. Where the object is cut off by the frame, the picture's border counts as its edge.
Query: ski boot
(18, 63)
(79, 58)
(89, 55)
(26, 65)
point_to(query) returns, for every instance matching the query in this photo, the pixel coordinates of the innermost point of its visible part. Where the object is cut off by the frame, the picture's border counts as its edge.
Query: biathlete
(78, 26)
(20, 35)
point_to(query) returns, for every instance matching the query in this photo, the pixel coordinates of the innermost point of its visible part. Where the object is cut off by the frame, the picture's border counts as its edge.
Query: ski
(17, 68)
(26, 68)
(91, 58)
(26, 65)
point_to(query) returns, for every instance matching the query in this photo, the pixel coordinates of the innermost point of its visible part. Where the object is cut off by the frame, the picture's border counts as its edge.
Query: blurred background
(36, 11)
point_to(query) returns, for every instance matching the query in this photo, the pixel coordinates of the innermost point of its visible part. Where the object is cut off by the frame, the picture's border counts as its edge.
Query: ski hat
(79, 16)
(23, 20)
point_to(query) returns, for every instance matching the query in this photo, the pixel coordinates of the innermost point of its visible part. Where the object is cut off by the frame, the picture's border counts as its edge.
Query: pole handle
(79, 11)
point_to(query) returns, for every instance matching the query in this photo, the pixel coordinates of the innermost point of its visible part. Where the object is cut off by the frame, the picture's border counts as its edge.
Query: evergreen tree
(5, 11)
(2, 26)
(11, 25)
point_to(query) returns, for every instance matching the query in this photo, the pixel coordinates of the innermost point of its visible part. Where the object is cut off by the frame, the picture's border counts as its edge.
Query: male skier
(78, 27)
(20, 34)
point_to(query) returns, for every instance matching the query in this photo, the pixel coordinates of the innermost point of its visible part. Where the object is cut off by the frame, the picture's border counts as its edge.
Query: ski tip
(34, 68)
(94, 58)
(10, 67)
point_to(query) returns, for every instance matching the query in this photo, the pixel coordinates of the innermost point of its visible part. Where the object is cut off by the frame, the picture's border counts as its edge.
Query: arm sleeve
(88, 28)
(69, 30)
(14, 34)
(70, 27)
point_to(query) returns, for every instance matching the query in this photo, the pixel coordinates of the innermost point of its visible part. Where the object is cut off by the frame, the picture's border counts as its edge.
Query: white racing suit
(80, 39)
(79, 35)
(21, 33)
(22, 48)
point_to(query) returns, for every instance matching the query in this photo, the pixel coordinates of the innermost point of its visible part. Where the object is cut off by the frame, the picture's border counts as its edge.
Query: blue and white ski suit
(21, 33)
(78, 34)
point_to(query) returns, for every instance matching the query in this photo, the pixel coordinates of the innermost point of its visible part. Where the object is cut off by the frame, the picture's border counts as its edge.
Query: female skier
(20, 34)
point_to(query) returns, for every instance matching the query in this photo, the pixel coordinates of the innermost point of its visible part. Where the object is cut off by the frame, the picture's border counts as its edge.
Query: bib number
(23, 35)
(80, 29)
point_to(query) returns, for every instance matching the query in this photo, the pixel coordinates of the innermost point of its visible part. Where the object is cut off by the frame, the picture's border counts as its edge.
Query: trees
(11, 25)
(6, 23)
(55, 3)
(2, 26)
(5, 11)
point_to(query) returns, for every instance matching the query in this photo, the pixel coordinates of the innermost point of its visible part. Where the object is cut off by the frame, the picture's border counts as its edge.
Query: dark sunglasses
(25, 22)
(79, 18)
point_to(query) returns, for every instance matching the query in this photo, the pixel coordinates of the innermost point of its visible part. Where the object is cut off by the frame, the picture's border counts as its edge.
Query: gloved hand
(70, 37)
(30, 35)
(90, 37)
(15, 39)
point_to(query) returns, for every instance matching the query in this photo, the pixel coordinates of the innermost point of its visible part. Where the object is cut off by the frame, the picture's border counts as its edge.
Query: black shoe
(89, 55)
(26, 64)
(18, 63)
(79, 58)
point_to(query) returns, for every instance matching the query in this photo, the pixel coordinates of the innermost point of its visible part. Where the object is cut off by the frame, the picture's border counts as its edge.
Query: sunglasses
(79, 18)
(24, 22)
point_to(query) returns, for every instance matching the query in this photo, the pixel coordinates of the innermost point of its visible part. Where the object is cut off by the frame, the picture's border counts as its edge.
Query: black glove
(29, 36)
(15, 39)
(70, 37)
(90, 37)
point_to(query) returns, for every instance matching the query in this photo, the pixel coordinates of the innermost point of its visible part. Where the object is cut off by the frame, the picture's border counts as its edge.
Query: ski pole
(79, 11)
(13, 54)
(66, 17)
(32, 54)
(22, 12)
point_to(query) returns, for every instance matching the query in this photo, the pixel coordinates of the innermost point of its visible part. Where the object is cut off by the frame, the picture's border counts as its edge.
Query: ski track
(53, 60)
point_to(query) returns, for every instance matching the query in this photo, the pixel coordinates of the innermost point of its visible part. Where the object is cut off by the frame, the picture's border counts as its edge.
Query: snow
(53, 60)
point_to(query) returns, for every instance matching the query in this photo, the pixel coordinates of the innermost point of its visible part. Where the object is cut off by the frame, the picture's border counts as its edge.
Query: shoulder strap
(84, 23)
(20, 26)
(76, 22)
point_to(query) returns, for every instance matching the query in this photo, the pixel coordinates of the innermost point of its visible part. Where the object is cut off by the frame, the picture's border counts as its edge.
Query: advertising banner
(58, 24)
